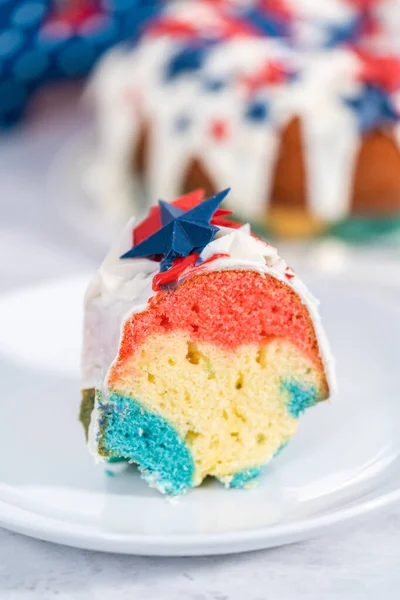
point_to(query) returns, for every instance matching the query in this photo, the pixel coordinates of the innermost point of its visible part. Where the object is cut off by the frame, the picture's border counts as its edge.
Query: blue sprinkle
(30, 65)
(268, 24)
(373, 108)
(10, 41)
(187, 60)
(28, 14)
(349, 32)
(134, 433)
(300, 398)
(257, 111)
(182, 124)
(214, 85)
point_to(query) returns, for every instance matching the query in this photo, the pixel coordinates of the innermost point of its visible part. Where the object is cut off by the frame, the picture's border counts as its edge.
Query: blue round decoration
(76, 58)
(103, 34)
(12, 95)
(10, 41)
(40, 41)
(119, 5)
(30, 65)
(52, 36)
(28, 14)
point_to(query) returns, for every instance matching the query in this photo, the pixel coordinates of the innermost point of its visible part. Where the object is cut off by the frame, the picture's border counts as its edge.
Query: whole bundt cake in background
(295, 105)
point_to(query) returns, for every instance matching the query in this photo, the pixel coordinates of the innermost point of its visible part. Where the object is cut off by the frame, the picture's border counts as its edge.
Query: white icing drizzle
(246, 159)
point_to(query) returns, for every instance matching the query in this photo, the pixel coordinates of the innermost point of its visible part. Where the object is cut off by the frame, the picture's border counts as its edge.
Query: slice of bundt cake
(221, 350)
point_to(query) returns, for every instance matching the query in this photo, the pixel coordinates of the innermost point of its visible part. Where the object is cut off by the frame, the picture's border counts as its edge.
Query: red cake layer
(225, 308)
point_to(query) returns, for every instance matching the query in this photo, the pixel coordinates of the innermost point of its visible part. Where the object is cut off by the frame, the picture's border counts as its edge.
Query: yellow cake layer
(228, 406)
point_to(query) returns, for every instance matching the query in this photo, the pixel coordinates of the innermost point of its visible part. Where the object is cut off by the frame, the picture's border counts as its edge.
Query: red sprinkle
(270, 73)
(173, 28)
(219, 130)
(289, 273)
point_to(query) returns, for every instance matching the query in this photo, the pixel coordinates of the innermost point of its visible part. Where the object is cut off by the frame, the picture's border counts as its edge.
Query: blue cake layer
(300, 398)
(241, 479)
(130, 432)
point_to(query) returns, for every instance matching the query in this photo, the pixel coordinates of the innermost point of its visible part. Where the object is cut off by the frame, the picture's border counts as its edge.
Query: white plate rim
(43, 528)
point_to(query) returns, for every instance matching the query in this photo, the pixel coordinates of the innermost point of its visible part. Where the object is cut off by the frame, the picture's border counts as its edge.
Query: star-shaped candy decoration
(183, 231)
(373, 108)
(348, 32)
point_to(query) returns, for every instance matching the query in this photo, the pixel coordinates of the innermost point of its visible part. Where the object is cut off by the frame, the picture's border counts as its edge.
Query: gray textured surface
(358, 563)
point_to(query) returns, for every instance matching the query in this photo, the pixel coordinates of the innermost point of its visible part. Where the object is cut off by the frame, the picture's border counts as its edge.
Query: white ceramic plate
(343, 463)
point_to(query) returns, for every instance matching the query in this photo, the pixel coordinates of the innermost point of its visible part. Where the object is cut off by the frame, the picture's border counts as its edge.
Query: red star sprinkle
(278, 8)
(380, 70)
(270, 73)
(235, 28)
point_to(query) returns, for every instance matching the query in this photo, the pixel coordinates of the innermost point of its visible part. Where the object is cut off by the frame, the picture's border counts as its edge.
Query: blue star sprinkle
(188, 59)
(257, 111)
(182, 232)
(373, 108)
(348, 32)
(268, 24)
